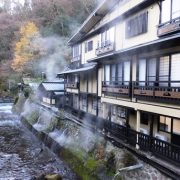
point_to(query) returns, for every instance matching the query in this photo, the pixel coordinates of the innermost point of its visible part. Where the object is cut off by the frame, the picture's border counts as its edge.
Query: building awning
(84, 69)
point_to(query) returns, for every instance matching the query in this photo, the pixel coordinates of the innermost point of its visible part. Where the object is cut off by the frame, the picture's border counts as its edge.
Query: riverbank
(88, 153)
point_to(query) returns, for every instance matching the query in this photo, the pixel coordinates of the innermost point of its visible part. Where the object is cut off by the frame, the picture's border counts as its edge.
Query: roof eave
(94, 16)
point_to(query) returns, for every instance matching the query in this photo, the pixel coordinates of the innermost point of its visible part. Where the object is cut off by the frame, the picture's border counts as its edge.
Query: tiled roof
(50, 86)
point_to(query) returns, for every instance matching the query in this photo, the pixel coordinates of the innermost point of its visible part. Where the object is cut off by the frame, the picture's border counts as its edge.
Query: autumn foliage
(25, 49)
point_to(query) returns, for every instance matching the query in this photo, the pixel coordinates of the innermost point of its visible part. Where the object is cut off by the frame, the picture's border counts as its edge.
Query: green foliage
(77, 164)
(91, 164)
(52, 125)
(33, 117)
(61, 25)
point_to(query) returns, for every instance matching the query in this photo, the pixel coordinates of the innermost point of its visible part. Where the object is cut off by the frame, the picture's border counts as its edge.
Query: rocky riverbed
(22, 156)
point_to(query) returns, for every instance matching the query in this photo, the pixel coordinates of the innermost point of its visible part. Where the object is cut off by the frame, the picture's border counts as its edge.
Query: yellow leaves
(29, 30)
(24, 48)
(18, 63)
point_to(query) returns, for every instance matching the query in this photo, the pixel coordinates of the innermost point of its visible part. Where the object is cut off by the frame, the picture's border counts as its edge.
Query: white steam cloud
(55, 55)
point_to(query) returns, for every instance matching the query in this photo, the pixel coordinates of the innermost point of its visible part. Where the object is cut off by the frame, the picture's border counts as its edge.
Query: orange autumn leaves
(26, 49)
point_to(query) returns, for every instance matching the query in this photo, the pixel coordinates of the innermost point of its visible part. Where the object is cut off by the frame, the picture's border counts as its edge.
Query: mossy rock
(53, 177)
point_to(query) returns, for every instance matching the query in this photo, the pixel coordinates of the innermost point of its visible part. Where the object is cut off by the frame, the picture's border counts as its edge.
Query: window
(76, 50)
(94, 104)
(147, 71)
(175, 75)
(113, 73)
(113, 110)
(176, 126)
(175, 9)
(99, 104)
(107, 73)
(121, 112)
(164, 71)
(120, 72)
(75, 101)
(88, 46)
(137, 25)
(165, 124)
(84, 102)
(144, 118)
(166, 12)
(170, 10)
(151, 71)
(117, 73)
(106, 37)
(126, 74)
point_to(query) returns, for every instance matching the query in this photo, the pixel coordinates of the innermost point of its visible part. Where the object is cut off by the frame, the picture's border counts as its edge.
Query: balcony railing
(157, 90)
(74, 85)
(158, 147)
(104, 47)
(116, 88)
(169, 27)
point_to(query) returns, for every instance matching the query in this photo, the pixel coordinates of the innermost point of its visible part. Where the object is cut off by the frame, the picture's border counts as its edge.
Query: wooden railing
(169, 27)
(160, 148)
(164, 90)
(116, 88)
(165, 149)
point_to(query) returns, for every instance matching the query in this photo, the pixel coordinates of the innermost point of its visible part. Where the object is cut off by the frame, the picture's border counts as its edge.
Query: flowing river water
(22, 156)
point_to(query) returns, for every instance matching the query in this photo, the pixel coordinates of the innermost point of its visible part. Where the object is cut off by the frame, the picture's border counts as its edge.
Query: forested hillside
(34, 34)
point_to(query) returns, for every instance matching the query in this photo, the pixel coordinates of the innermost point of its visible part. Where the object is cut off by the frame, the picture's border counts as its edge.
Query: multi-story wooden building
(126, 69)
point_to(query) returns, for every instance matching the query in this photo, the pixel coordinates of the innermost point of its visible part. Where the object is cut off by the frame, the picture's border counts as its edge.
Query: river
(22, 155)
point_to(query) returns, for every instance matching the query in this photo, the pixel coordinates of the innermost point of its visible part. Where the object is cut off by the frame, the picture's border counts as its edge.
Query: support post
(138, 126)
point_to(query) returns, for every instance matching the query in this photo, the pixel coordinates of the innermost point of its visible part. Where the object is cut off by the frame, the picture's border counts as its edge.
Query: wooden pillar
(138, 126)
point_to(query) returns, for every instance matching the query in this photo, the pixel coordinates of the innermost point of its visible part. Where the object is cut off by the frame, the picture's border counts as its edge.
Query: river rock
(53, 177)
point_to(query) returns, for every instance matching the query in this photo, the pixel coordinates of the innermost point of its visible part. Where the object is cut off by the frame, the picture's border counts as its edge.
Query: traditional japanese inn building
(125, 72)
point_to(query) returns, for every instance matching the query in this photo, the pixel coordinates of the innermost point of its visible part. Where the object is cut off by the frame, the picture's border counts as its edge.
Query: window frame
(137, 25)
(88, 46)
(76, 50)
(166, 125)
(171, 12)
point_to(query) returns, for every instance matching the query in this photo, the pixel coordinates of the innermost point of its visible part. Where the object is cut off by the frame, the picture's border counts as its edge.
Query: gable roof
(92, 20)
(52, 86)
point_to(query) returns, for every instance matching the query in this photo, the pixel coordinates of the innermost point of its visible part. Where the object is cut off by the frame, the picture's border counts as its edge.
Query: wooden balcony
(157, 91)
(169, 27)
(73, 85)
(104, 48)
(116, 88)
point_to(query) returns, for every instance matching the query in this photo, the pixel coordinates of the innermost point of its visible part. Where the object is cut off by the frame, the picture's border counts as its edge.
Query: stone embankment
(89, 154)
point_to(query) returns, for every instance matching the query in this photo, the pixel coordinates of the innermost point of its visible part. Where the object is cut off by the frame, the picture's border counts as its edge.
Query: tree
(8, 32)
(26, 50)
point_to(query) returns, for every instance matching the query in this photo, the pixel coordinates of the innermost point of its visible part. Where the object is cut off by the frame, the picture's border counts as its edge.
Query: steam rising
(55, 55)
